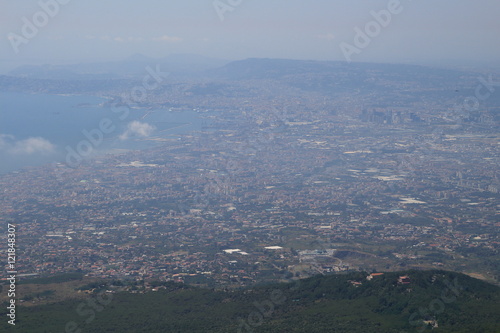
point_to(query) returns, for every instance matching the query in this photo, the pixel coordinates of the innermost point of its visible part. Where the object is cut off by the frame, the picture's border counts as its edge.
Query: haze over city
(447, 32)
(249, 166)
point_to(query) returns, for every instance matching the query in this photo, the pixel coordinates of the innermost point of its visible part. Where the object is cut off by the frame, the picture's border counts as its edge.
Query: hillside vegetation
(446, 301)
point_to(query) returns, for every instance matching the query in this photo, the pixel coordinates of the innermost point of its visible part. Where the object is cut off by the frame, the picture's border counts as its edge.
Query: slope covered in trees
(427, 300)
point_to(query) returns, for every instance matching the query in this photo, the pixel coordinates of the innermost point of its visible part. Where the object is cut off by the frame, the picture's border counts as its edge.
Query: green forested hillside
(450, 302)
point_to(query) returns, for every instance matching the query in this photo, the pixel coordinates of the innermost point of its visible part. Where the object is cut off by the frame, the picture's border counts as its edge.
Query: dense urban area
(294, 173)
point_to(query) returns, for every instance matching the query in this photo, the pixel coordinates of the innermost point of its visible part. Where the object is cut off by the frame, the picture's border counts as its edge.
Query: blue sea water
(39, 128)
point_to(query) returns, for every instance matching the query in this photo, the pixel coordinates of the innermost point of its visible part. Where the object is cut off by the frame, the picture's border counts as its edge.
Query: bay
(38, 128)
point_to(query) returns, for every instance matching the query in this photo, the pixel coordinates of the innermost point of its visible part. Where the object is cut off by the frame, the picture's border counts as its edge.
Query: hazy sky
(85, 30)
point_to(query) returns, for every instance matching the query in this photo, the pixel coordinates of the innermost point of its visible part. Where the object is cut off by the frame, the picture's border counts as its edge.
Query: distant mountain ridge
(262, 68)
(191, 64)
(322, 77)
(130, 67)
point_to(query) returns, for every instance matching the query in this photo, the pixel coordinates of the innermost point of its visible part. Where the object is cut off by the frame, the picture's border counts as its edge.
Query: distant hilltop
(308, 75)
(129, 68)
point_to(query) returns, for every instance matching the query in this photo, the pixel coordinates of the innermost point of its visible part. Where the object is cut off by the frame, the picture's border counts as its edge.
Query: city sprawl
(360, 167)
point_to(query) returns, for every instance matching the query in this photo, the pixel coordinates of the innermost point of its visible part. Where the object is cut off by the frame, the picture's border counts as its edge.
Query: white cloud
(136, 128)
(33, 145)
(166, 38)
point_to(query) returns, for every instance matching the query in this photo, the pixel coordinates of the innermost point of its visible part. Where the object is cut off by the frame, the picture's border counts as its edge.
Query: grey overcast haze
(241, 166)
(443, 32)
